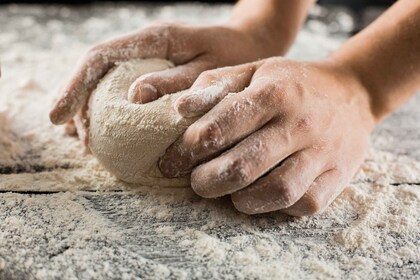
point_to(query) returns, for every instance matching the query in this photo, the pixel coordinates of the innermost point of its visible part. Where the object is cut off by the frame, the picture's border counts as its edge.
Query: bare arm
(386, 57)
(273, 23)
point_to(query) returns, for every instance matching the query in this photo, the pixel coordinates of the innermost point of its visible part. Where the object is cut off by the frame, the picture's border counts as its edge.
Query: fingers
(152, 86)
(150, 42)
(77, 91)
(283, 186)
(320, 194)
(212, 86)
(220, 128)
(243, 164)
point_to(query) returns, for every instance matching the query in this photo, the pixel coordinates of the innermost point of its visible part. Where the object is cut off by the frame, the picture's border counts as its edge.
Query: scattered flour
(370, 232)
(9, 151)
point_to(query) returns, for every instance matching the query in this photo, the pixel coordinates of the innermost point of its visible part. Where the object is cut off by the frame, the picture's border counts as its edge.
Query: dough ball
(128, 139)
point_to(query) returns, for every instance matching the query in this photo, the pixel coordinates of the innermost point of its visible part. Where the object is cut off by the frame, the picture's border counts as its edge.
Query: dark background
(353, 4)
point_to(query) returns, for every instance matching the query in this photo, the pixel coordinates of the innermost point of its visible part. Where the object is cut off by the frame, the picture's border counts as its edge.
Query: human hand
(192, 49)
(277, 135)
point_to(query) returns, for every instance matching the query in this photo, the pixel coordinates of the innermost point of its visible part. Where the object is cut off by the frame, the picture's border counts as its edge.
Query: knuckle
(165, 27)
(238, 171)
(97, 55)
(266, 95)
(304, 123)
(211, 135)
(280, 94)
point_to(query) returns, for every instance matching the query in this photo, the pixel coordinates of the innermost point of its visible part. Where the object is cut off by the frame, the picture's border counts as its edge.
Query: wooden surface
(139, 250)
(120, 235)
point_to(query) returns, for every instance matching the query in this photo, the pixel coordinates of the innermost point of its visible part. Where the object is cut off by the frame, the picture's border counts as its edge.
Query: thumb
(152, 86)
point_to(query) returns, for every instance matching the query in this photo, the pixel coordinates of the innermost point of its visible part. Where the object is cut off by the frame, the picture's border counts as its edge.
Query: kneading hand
(276, 135)
(192, 49)
(290, 135)
(256, 29)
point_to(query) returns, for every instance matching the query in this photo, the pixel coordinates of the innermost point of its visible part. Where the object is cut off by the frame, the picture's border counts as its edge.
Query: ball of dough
(128, 139)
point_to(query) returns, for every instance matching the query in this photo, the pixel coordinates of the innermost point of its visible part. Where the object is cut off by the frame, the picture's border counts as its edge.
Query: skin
(305, 132)
(254, 32)
(290, 135)
(276, 134)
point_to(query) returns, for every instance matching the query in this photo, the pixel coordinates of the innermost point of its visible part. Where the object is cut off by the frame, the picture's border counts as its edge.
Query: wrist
(272, 24)
(353, 89)
(379, 106)
(268, 41)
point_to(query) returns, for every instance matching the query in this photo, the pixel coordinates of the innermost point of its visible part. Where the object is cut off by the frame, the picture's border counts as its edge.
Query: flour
(370, 232)
(9, 151)
(128, 138)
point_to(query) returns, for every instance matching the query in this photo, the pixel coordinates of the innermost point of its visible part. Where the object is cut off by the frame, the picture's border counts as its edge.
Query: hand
(193, 50)
(276, 135)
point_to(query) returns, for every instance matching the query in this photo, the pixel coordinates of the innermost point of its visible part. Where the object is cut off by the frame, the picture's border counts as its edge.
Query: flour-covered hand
(193, 49)
(255, 30)
(276, 135)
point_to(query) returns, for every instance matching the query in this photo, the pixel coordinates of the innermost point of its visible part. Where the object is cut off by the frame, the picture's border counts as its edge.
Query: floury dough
(128, 139)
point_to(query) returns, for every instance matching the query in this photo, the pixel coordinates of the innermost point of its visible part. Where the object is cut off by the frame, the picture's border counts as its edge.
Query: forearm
(386, 57)
(274, 24)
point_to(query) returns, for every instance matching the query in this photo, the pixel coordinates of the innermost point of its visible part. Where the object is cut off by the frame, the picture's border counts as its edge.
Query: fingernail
(182, 107)
(53, 117)
(58, 115)
(142, 93)
(168, 167)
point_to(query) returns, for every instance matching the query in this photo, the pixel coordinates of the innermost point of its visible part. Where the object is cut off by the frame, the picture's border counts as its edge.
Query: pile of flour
(370, 231)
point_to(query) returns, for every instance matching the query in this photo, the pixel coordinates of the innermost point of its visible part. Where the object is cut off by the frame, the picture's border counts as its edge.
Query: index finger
(229, 122)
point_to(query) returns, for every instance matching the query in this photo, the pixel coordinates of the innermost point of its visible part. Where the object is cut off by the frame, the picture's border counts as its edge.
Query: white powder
(370, 231)
(9, 150)
(128, 138)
